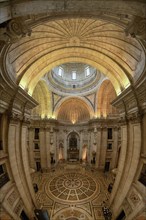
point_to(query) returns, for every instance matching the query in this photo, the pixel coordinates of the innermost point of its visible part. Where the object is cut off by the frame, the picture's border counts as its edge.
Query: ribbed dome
(98, 43)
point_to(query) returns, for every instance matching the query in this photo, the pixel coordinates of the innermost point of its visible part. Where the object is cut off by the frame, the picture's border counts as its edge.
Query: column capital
(14, 30)
(136, 28)
(15, 117)
(135, 117)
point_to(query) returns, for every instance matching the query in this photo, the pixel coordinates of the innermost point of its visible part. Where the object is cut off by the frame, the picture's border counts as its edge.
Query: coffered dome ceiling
(98, 43)
(89, 42)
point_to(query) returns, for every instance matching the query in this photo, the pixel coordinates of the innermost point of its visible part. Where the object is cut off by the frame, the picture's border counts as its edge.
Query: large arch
(105, 95)
(73, 110)
(118, 83)
(43, 96)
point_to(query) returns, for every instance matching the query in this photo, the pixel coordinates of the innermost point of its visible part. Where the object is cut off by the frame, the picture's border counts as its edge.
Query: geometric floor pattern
(72, 192)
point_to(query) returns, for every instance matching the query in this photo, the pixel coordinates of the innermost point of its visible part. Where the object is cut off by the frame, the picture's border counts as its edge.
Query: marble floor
(72, 192)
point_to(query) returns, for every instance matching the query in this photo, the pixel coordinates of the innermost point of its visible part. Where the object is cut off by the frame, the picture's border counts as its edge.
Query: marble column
(26, 166)
(65, 145)
(89, 147)
(81, 145)
(31, 148)
(115, 148)
(47, 131)
(92, 144)
(15, 159)
(98, 136)
(54, 146)
(122, 159)
(43, 153)
(103, 148)
(131, 164)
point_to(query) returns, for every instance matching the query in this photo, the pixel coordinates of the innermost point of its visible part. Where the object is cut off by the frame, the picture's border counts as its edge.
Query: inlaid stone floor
(72, 192)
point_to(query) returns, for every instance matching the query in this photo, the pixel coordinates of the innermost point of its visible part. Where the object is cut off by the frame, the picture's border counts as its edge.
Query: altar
(73, 154)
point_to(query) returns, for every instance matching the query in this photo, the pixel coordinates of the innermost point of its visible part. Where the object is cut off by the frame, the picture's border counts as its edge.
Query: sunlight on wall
(84, 153)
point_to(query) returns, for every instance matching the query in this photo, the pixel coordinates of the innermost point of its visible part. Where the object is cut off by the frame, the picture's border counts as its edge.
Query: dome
(74, 78)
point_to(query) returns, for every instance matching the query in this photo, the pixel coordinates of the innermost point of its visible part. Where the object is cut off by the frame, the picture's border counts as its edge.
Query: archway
(73, 147)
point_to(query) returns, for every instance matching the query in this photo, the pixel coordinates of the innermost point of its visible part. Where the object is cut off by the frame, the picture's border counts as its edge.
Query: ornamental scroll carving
(137, 28)
(14, 30)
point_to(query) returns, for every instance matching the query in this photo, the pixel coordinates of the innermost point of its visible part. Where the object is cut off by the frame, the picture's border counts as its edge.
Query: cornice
(61, 6)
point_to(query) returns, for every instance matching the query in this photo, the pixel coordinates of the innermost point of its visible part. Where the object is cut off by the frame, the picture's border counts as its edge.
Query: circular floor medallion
(73, 187)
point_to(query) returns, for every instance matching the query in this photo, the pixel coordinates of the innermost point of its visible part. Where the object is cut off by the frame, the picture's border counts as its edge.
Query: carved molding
(135, 117)
(15, 117)
(137, 28)
(13, 197)
(127, 207)
(14, 30)
(18, 208)
(134, 198)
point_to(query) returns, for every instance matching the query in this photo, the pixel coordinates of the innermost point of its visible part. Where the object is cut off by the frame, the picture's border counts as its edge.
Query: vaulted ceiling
(95, 34)
(99, 43)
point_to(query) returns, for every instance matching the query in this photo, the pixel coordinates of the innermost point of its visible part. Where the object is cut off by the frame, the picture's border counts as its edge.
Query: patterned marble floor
(72, 192)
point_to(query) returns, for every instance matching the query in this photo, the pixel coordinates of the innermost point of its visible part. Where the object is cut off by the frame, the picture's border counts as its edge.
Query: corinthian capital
(14, 30)
(137, 28)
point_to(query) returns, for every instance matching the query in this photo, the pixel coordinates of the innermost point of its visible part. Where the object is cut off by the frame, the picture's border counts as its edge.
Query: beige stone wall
(128, 193)
(17, 193)
(95, 139)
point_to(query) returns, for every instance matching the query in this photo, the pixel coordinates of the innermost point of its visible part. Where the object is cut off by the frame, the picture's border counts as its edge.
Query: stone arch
(42, 95)
(88, 105)
(74, 110)
(105, 95)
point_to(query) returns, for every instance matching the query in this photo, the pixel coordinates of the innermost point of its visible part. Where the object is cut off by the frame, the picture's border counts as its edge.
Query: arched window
(60, 71)
(74, 75)
(87, 71)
